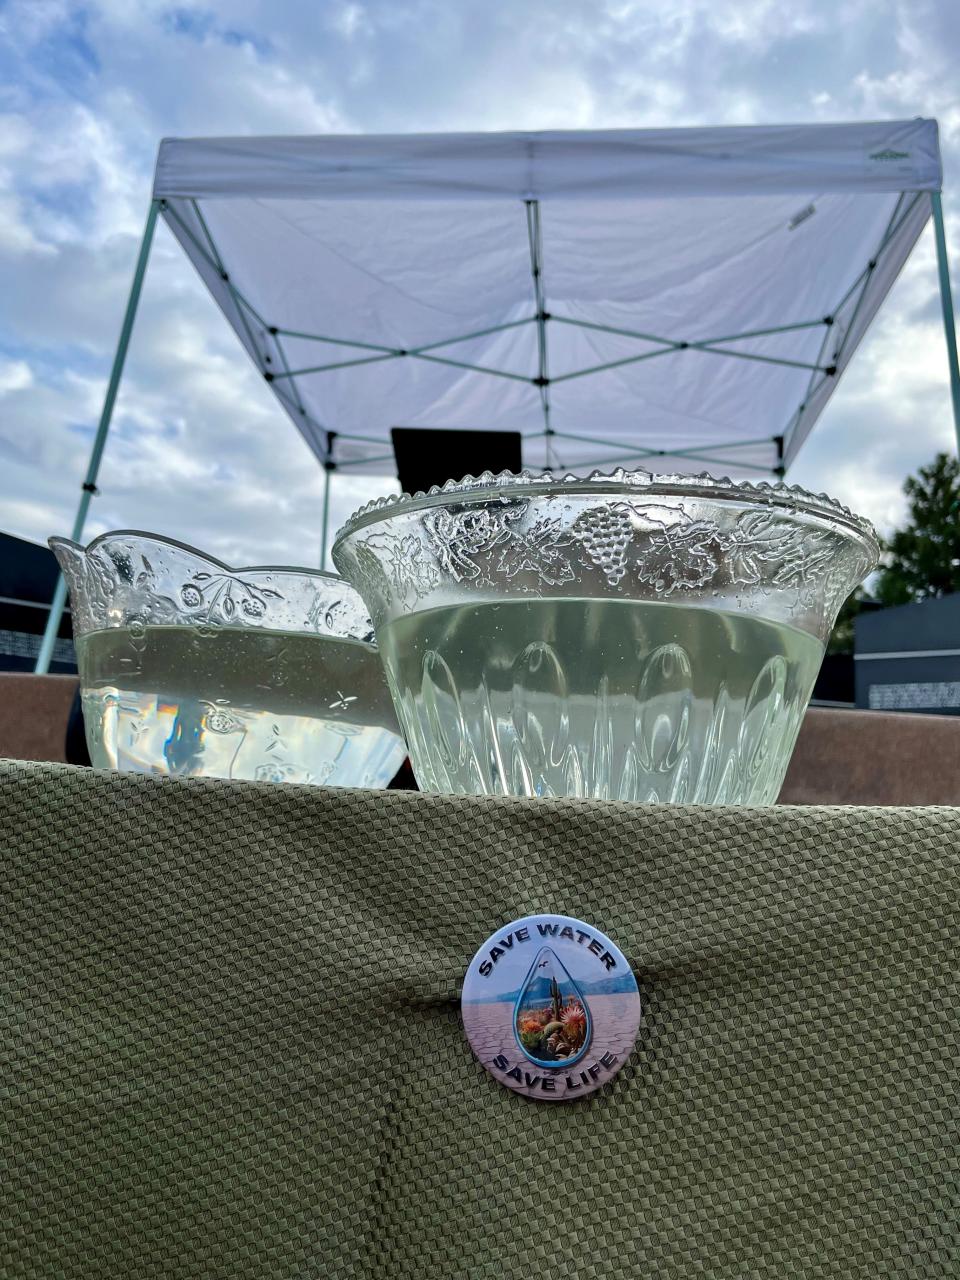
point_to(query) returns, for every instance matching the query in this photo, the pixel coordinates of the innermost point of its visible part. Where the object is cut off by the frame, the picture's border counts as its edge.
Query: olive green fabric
(231, 1044)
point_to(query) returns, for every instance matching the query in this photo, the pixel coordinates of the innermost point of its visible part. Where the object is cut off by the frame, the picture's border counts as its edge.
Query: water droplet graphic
(551, 1018)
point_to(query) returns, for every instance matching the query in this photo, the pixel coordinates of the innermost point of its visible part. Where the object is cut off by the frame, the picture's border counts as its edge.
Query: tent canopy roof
(614, 295)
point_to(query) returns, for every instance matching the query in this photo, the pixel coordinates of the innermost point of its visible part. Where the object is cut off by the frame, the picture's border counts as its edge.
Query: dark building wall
(835, 681)
(908, 658)
(28, 577)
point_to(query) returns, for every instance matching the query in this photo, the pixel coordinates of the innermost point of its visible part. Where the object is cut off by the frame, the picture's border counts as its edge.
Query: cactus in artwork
(551, 1019)
(556, 999)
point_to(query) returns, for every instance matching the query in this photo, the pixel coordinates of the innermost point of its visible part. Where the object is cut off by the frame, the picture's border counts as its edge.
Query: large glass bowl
(189, 667)
(625, 636)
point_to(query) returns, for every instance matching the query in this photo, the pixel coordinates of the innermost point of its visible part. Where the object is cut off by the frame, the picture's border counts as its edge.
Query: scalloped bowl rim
(299, 570)
(793, 499)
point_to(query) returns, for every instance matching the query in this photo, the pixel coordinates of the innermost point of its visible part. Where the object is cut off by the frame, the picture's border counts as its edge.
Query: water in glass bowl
(238, 703)
(615, 699)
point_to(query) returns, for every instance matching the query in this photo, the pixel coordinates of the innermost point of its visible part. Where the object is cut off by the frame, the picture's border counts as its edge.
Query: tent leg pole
(100, 440)
(946, 301)
(57, 606)
(328, 468)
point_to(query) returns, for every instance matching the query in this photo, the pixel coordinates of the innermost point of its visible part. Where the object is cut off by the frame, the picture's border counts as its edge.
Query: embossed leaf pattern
(368, 573)
(411, 571)
(146, 576)
(542, 552)
(219, 595)
(473, 545)
(116, 582)
(93, 582)
(651, 544)
(122, 563)
(684, 555)
(458, 537)
(767, 549)
(665, 552)
(773, 554)
(337, 616)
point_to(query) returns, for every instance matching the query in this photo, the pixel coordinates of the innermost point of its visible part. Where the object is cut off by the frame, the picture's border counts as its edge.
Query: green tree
(923, 559)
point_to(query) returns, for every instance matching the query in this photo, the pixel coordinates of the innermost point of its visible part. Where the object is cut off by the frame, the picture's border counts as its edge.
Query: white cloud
(15, 375)
(350, 20)
(199, 448)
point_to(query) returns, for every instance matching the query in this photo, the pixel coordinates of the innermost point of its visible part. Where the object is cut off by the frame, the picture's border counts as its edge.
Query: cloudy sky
(198, 448)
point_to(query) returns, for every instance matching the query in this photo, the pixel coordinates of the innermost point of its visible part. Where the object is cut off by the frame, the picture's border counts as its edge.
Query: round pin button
(551, 1007)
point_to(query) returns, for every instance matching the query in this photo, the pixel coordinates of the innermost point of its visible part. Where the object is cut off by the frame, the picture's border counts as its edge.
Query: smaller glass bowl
(191, 668)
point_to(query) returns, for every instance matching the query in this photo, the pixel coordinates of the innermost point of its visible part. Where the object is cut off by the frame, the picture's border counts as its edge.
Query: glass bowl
(625, 636)
(189, 667)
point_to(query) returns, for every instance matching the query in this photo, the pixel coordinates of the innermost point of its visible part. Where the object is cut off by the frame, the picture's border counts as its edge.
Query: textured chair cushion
(231, 1043)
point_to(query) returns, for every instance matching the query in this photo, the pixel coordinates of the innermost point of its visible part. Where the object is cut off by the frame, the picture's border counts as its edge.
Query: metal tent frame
(276, 370)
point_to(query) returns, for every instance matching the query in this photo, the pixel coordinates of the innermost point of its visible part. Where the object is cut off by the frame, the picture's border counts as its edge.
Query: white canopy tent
(690, 295)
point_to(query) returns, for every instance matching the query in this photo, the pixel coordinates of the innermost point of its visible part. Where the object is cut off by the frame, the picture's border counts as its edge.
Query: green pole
(946, 302)
(57, 606)
(328, 470)
(100, 440)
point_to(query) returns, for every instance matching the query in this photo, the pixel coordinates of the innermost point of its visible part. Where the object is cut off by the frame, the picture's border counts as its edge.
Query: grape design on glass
(661, 546)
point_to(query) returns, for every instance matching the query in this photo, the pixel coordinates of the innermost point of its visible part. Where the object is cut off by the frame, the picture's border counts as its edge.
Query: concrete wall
(866, 757)
(842, 757)
(33, 715)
